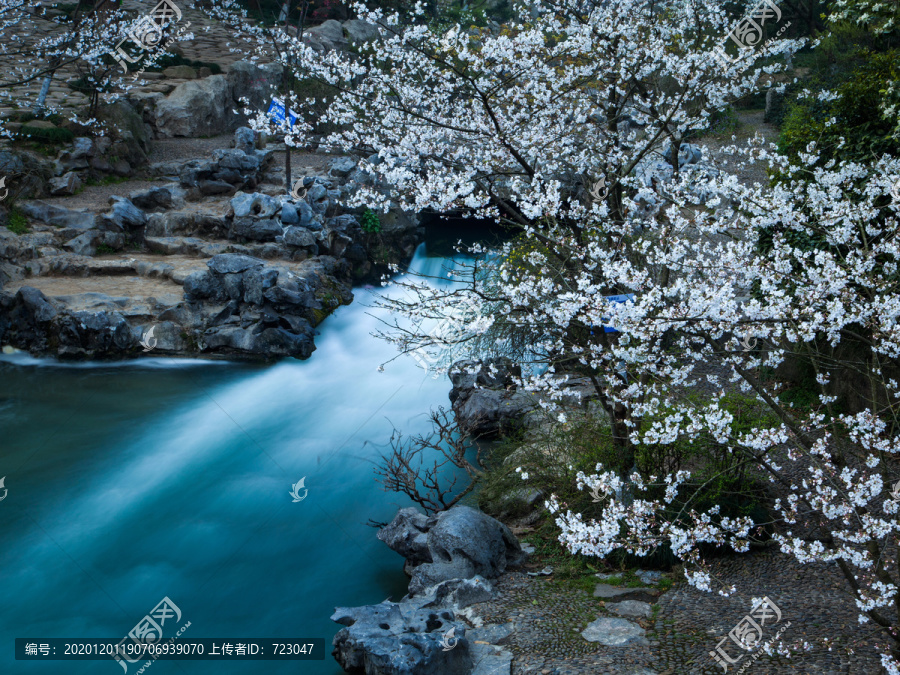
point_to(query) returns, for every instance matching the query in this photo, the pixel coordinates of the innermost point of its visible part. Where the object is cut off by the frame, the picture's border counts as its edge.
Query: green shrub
(48, 136)
(719, 474)
(105, 249)
(28, 116)
(860, 131)
(370, 222)
(16, 222)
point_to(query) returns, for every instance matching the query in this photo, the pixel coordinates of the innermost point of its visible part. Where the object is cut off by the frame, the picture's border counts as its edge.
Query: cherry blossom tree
(557, 125)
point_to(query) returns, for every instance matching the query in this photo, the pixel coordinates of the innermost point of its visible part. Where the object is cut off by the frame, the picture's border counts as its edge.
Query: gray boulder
(84, 244)
(231, 263)
(631, 608)
(316, 192)
(130, 136)
(460, 593)
(238, 160)
(457, 544)
(202, 285)
(57, 215)
(257, 229)
(289, 298)
(359, 31)
(36, 304)
(214, 187)
(196, 170)
(257, 281)
(400, 639)
(245, 139)
(307, 217)
(253, 82)
(86, 333)
(648, 576)
(79, 156)
(491, 412)
(256, 204)
(342, 167)
(153, 198)
(195, 108)
(26, 173)
(491, 660)
(486, 403)
(299, 236)
(330, 34)
(123, 215)
(289, 215)
(67, 184)
(269, 342)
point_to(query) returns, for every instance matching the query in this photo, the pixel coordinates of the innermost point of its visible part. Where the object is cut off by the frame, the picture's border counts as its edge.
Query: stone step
(185, 246)
(616, 593)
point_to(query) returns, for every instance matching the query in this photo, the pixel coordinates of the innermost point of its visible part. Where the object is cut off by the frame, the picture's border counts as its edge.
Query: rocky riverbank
(217, 260)
(562, 614)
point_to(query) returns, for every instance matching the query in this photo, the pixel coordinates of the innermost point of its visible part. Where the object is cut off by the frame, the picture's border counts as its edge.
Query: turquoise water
(132, 482)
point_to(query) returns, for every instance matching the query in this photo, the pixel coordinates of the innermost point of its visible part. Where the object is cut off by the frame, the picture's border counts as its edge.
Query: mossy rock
(126, 128)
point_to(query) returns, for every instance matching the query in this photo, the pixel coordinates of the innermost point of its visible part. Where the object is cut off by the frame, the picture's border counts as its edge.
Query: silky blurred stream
(153, 478)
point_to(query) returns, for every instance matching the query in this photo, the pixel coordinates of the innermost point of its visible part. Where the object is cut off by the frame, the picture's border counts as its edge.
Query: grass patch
(16, 222)
(46, 136)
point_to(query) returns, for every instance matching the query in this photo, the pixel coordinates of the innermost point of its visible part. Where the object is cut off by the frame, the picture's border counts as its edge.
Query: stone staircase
(247, 273)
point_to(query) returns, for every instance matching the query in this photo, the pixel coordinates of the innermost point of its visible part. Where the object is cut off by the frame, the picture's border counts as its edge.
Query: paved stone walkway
(548, 618)
(213, 42)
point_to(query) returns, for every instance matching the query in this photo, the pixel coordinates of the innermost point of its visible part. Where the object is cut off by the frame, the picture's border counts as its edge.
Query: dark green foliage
(857, 111)
(49, 136)
(16, 222)
(370, 222)
(28, 116)
(105, 249)
(719, 473)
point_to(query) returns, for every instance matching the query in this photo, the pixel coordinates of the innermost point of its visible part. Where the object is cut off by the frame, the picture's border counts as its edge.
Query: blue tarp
(616, 298)
(276, 112)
